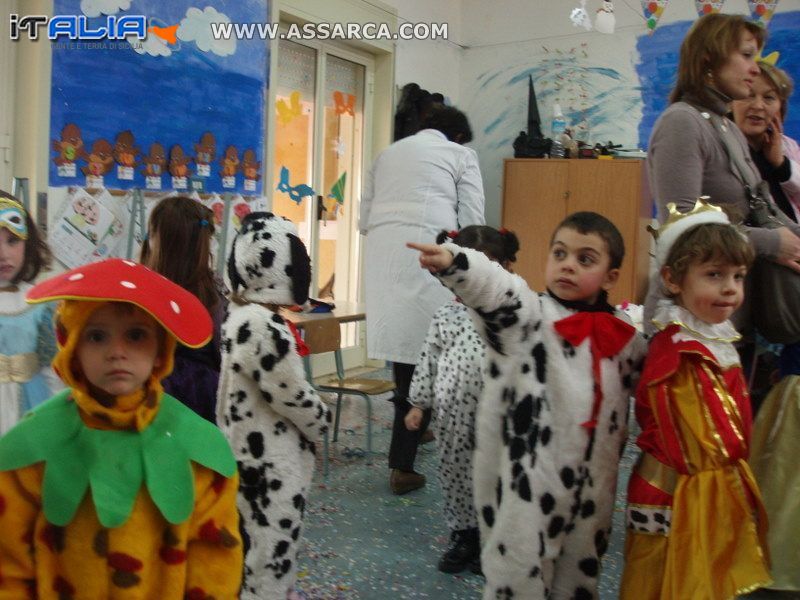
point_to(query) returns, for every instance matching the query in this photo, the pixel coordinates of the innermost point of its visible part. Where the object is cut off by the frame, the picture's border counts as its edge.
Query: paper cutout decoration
(250, 168)
(653, 9)
(344, 103)
(178, 162)
(580, 18)
(230, 162)
(762, 11)
(337, 191)
(706, 7)
(287, 112)
(205, 153)
(230, 166)
(296, 193)
(155, 161)
(125, 149)
(240, 210)
(70, 150)
(100, 159)
(125, 152)
(605, 21)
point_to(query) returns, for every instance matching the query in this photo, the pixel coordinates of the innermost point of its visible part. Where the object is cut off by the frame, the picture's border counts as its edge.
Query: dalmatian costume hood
(269, 412)
(269, 263)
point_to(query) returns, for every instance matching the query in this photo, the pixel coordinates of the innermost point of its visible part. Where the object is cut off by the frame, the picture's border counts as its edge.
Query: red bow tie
(608, 335)
(302, 349)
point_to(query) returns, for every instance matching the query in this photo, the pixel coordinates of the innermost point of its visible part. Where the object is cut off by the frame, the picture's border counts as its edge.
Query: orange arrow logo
(168, 34)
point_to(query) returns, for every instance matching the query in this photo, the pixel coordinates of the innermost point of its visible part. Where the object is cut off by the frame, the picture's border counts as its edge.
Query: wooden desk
(345, 312)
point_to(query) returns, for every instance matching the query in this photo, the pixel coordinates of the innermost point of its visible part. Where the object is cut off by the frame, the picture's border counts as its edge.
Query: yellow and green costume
(123, 497)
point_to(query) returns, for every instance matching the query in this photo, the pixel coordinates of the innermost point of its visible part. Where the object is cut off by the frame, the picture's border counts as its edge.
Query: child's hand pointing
(432, 256)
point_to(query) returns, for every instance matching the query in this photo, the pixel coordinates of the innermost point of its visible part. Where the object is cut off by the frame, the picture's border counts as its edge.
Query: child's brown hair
(37, 253)
(184, 228)
(708, 242)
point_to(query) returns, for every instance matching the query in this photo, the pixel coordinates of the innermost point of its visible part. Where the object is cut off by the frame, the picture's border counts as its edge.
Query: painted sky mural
(658, 63)
(179, 104)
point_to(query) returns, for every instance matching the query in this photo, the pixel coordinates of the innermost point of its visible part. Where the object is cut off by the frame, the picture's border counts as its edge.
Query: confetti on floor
(363, 542)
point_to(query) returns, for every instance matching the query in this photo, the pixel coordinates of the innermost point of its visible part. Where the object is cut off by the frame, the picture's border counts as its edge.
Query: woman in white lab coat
(417, 187)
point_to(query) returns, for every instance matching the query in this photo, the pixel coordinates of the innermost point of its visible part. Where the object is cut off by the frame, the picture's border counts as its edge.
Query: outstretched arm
(502, 300)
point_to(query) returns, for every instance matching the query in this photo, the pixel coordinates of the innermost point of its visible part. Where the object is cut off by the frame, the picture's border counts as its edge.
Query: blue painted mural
(179, 94)
(659, 63)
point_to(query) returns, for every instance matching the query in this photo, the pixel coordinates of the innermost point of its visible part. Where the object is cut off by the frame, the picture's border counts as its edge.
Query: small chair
(322, 336)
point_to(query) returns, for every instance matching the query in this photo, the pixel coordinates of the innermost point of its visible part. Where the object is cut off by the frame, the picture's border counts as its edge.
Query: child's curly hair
(37, 253)
(709, 242)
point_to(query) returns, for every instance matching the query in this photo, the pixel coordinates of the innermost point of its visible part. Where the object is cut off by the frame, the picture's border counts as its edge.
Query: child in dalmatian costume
(448, 378)
(551, 423)
(696, 522)
(269, 412)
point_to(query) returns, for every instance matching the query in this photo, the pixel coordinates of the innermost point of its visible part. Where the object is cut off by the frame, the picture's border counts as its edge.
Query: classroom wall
(434, 64)
(598, 79)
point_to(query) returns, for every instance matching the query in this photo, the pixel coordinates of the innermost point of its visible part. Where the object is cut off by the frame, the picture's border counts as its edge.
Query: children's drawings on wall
(175, 87)
(86, 230)
(337, 193)
(653, 9)
(706, 7)
(297, 192)
(69, 149)
(205, 153)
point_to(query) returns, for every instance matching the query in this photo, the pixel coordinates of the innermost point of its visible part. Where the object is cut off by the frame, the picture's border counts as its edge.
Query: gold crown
(770, 59)
(700, 206)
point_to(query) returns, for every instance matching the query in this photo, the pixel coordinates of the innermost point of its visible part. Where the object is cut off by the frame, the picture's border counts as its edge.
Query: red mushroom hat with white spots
(119, 280)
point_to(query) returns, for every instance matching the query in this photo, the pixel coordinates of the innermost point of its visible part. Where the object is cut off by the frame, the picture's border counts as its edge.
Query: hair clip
(452, 234)
(203, 223)
(145, 237)
(502, 231)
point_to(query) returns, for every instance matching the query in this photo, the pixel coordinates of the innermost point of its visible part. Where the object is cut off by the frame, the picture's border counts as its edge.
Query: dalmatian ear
(235, 280)
(300, 269)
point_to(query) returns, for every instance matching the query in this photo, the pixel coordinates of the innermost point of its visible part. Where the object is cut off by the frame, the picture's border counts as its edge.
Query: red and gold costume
(696, 523)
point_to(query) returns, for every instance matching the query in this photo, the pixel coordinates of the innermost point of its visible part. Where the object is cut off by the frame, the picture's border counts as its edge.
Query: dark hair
(451, 122)
(413, 108)
(710, 241)
(706, 48)
(501, 245)
(37, 252)
(184, 228)
(587, 222)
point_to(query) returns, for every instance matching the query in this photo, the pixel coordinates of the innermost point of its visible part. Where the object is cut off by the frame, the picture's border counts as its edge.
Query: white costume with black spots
(544, 484)
(265, 406)
(449, 380)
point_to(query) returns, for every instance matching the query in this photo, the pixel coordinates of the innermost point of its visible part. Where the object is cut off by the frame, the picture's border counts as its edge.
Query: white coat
(417, 187)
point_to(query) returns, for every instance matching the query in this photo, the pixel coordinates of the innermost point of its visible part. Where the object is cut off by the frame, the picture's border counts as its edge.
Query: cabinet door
(534, 203)
(613, 189)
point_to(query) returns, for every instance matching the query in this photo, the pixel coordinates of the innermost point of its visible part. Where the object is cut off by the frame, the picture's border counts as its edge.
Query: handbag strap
(763, 210)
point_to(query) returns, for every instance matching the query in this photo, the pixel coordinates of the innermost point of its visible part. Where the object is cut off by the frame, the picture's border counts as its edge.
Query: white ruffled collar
(718, 338)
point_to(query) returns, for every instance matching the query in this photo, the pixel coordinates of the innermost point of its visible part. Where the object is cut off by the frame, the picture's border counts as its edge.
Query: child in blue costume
(27, 344)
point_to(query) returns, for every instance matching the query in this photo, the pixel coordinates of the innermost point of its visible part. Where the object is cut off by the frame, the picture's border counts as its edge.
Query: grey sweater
(687, 159)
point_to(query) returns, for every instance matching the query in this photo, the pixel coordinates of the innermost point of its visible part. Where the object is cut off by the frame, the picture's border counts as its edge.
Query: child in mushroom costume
(160, 520)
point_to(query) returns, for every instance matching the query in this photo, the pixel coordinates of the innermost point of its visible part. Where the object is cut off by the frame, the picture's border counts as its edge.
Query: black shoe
(463, 550)
(402, 482)
(475, 566)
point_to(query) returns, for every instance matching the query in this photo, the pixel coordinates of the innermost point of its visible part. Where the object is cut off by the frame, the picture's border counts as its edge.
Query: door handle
(320, 207)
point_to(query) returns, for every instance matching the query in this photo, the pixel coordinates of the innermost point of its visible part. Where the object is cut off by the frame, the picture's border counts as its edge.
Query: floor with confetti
(363, 542)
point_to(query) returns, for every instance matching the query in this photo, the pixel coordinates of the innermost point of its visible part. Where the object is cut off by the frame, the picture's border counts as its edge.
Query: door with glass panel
(318, 120)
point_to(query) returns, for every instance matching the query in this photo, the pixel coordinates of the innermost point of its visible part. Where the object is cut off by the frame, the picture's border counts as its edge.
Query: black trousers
(403, 448)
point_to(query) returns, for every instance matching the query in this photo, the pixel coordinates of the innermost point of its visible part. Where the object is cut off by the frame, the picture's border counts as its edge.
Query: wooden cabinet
(539, 193)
